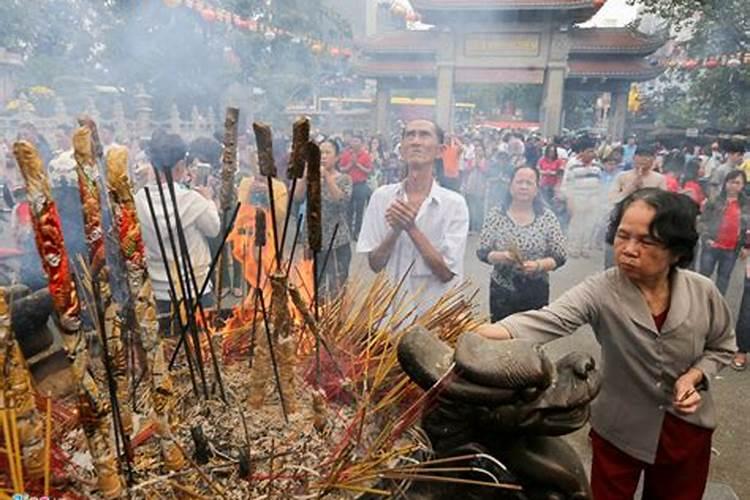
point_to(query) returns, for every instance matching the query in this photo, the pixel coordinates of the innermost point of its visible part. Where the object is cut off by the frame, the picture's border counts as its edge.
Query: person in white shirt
(417, 221)
(199, 217)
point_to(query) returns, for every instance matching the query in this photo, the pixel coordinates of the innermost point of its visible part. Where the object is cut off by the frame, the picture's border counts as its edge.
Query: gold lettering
(502, 44)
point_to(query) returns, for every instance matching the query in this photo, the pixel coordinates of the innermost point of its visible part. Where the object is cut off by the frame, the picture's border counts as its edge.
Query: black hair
(333, 142)
(734, 147)
(730, 177)
(206, 150)
(553, 148)
(166, 150)
(538, 203)
(583, 143)
(690, 173)
(646, 150)
(674, 162)
(438, 130)
(674, 224)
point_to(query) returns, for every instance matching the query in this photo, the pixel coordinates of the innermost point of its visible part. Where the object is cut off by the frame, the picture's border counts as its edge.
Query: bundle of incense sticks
(51, 247)
(18, 394)
(88, 186)
(133, 252)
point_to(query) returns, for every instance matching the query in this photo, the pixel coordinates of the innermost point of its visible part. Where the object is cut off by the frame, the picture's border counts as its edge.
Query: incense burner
(509, 401)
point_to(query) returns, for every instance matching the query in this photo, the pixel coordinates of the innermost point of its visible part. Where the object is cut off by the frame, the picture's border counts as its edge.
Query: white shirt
(200, 220)
(444, 220)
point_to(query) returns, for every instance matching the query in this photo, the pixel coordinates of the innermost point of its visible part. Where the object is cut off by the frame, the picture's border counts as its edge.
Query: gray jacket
(640, 365)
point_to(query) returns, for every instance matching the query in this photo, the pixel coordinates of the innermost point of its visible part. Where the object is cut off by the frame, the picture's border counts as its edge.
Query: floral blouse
(540, 239)
(336, 212)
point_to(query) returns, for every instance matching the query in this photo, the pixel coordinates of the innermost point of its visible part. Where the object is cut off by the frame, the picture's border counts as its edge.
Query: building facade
(533, 42)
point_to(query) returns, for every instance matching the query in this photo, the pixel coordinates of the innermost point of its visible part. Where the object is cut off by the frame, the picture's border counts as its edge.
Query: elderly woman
(664, 332)
(523, 240)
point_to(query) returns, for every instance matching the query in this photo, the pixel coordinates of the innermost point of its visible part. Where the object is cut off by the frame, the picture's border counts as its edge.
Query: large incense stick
(144, 308)
(227, 194)
(54, 257)
(16, 385)
(314, 231)
(264, 141)
(260, 242)
(296, 170)
(88, 185)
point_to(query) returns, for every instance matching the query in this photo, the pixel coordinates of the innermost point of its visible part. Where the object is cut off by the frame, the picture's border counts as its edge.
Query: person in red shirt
(551, 170)
(356, 162)
(723, 226)
(690, 182)
(451, 177)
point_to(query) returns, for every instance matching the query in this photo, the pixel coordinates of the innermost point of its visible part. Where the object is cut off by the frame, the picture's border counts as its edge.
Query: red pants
(679, 472)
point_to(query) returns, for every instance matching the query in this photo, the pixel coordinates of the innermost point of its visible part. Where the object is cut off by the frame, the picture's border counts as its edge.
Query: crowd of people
(409, 204)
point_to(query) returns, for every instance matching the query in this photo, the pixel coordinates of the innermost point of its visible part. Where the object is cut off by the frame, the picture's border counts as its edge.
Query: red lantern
(208, 15)
(690, 64)
(335, 51)
(346, 53)
(711, 63)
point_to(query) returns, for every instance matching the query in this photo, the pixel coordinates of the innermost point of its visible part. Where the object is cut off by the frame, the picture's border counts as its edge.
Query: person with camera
(198, 214)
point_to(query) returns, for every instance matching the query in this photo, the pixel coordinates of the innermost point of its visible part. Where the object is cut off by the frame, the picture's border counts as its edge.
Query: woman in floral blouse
(523, 240)
(336, 190)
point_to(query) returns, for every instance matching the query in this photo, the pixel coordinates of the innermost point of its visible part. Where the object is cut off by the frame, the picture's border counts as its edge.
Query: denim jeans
(720, 260)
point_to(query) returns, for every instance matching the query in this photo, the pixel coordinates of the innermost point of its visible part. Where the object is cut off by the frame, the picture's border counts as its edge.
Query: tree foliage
(173, 53)
(717, 97)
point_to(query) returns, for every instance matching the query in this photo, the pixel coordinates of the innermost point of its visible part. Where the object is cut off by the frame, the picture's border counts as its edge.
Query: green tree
(717, 97)
(173, 53)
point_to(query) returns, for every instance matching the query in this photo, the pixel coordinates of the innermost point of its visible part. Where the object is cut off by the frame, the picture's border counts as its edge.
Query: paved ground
(729, 464)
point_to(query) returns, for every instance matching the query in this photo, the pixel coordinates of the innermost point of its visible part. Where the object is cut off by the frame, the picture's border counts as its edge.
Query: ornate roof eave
(633, 70)
(626, 40)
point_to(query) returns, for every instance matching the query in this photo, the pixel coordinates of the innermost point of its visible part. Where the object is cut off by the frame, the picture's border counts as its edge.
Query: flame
(244, 251)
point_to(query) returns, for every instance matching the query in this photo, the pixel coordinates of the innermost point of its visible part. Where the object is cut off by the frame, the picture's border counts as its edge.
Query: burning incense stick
(296, 170)
(227, 194)
(47, 444)
(264, 141)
